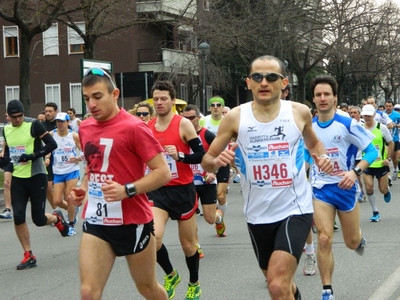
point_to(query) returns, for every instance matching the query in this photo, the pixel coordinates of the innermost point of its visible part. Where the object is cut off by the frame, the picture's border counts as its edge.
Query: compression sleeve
(198, 152)
(209, 136)
(50, 145)
(370, 153)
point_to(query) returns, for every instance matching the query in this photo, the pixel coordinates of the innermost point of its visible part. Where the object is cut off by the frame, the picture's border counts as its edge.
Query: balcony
(168, 61)
(167, 10)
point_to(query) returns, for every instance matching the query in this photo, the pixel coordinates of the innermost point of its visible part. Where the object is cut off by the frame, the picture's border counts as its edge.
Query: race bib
(270, 166)
(99, 211)
(334, 156)
(172, 166)
(62, 156)
(15, 154)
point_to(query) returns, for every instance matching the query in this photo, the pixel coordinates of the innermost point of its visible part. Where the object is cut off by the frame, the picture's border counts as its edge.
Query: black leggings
(33, 188)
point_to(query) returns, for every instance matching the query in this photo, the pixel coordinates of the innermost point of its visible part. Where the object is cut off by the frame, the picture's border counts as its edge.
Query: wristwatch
(130, 190)
(181, 156)
(357, 170)
(389, 159)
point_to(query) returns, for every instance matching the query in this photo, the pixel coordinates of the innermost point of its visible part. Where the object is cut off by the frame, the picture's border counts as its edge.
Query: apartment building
(165, 47)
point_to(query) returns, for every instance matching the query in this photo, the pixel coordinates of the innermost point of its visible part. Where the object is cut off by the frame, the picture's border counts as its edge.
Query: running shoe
(297, 295)
(199, 250)
(220, 227)
(76, 214)
(6, 214)
(313, 227)
(193, 292)
(360, 248)
(387, 197)
(327, 295)
(61, 225)
(71, 231)
(335, 227)
(376, 217)
(390, 181)
(395, 175)
(361, 198)
(29, 261)
(237, 179)
(310, 265)
(170, 283)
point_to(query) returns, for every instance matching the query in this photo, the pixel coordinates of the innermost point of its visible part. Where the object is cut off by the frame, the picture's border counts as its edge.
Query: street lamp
(204, 49)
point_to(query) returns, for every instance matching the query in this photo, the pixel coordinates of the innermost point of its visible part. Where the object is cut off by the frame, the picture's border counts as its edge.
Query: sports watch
(357, 170)
(130, 190)
(181, 156)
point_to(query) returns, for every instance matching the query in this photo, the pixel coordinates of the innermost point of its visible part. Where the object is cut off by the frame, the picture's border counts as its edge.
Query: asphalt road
(228, 270)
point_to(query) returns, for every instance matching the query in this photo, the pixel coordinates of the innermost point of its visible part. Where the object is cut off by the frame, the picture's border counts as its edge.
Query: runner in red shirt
(177, 199)
(117, 215)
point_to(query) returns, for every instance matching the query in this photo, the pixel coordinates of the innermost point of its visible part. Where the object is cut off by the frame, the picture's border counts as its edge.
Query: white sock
(219, 219)
(222, 208)
(372, 201)
(310, 248)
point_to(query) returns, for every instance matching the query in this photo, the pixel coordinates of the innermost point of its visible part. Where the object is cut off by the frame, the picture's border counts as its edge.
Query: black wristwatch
(181, 156)
(130, 189)
(357, 170)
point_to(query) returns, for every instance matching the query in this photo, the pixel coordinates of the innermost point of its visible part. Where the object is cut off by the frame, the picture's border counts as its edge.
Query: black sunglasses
(100, 72)
(144, 114)
(191, 117)
(216, 105)
(16, 117)
(270, 77)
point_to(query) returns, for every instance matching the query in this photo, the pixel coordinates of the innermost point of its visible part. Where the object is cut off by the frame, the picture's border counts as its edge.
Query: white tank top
(270, 157)
(66, 148)
(74, 124)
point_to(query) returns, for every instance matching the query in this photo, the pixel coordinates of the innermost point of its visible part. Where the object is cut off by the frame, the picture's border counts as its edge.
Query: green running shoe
(193, 292)
(170, 283)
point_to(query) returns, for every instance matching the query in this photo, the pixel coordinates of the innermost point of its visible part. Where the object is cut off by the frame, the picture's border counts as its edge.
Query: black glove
(25, 157)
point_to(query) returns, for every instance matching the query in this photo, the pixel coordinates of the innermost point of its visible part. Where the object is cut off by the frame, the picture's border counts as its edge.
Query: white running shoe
(310, 265)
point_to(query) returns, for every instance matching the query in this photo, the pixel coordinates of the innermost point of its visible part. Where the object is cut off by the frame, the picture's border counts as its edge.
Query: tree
(101, 19)
(32, 18)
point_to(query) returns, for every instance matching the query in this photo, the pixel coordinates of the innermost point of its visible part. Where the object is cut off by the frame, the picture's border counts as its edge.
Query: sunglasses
(144, 114)
(216, 105)
(191, 117)
(99, 72)
(16, 117)
(270, 77)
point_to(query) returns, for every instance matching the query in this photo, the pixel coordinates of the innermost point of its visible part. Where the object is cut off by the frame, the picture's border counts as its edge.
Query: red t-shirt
(117, 149)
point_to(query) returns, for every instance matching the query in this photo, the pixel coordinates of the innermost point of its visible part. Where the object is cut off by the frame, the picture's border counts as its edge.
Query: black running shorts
(123, 239)
(180, 201)
(288, 235)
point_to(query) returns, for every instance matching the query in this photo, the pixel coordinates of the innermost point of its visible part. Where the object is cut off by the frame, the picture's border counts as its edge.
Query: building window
(76, 97)
(12, 92)
(10, 41)
(75, 42)
(206, 4)
(53, 94)
(196, 94)
(50, 40)
(184, 91)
